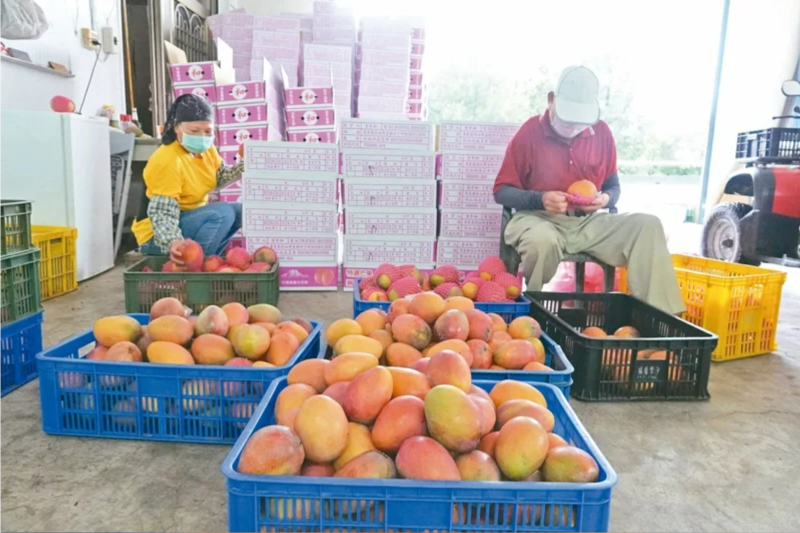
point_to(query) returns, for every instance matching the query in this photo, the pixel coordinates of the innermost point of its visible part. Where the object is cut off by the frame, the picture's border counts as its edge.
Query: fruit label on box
(205, 90)
(364, 192)
(415, 63)
(384, 134)
(468, 195)
(242, 114)
(363, 163)
(415, 92)
(236, 136)
(415, 78)
(313, 137)
(192, 72)
(291, 157)
(302, 97)
(475, 136)
(390, 221)
(466, 253)
(240, 93)
(230, 157)
(308, 277)
(288, 218)
(471, 166)
(310, 118)
(313, 190)
(470, 223)
(650, 370)
(382, 249)
(295, 248)
(417, 48)
(328, 53)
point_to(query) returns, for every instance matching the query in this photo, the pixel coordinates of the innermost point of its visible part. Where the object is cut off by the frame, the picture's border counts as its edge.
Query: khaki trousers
(632, 240)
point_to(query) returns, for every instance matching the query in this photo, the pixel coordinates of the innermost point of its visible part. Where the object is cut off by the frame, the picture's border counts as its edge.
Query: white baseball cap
(576, 96)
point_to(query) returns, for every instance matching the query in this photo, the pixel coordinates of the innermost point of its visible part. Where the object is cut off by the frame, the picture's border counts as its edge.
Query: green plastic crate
(16, 227)
(196, 290)
(19, 279)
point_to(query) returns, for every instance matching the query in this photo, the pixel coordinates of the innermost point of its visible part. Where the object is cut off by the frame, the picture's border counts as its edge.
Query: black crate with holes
(670, 360)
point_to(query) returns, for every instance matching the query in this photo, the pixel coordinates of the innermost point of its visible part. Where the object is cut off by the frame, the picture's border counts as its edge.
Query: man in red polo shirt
(565, 144)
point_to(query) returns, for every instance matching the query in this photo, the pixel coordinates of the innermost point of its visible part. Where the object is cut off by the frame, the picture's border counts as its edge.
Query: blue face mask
(197, 144)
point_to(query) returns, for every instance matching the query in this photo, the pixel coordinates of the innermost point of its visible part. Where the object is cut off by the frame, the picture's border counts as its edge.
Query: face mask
(567, 130)
(197, 144)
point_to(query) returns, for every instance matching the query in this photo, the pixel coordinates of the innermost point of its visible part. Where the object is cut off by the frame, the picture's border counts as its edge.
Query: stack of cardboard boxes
(290, 202)
(333, 23)
(471, 155)
(417, 106)
(383, 68)
(327, 65)
(388, 194)
(310, 115)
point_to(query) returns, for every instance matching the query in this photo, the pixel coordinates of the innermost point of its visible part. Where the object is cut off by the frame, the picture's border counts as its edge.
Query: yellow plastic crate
(739, 303)
(57, 267)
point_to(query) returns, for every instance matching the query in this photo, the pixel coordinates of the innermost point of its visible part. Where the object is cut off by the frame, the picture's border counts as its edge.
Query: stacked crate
(417, 107)
(389, 195)
(290, 202)
(383, 60)
(470, 219)
(327, 65)
(20, 297)
(310, 115)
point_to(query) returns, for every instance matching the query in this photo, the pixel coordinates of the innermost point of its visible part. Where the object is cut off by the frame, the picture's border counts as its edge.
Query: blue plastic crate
(509, 311)
(560, 377)
(21, 341)
(288, 503)
(180, 403)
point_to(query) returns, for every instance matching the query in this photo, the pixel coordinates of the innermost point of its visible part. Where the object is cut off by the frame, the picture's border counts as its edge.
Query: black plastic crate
(608, 369)
(775, 143)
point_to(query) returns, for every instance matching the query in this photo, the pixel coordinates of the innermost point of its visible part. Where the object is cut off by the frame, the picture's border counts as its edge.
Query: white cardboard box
(475, 136)
(470, 223)
(299, 247)
(458, 194)
(482, 166)
(309, 190)
(408, 164)
(465, 254)
(368, 192)
(387, 134)
(281, 219)
(290, 158)
(390, 221)
(382, 249)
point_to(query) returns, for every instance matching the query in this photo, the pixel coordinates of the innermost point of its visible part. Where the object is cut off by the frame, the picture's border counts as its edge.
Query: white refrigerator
(61, 162)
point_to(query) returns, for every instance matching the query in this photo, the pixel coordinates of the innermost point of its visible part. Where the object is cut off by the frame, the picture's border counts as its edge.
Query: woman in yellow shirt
(179, 176)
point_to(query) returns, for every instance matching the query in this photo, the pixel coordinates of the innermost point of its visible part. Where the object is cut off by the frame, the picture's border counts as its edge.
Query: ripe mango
(400, 419)
(428, 306)
(402, 355)
(208, 349)
(521, 447)
(515, 354)
(357, 343)
(367, 394)
(359, 440)
(124, 351)
(449, 368)
(411, 330)
(113, 329)
(317, 470)
(515, 390)
(347, 366)
(477, 466)
(488, 443)
(213, 320)
(290, 399)
(264, 313)
(424, 458)
(169, 353)
(311, 372)
(251, 342)
(453, 419)
(336, 391)
(322, 427)
(340, 328)
(237, 314)
(272, 451)
(282, 347)
(295, 329)
(167, 306)
(488, 414)
(515, 408)
(171, 328)
(568, 464)
(369, 465)
(371, 320)
(452, 324)
(458, 346)
(409, 382)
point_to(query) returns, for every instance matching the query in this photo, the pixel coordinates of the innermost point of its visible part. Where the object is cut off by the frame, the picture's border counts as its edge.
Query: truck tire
(722, 234)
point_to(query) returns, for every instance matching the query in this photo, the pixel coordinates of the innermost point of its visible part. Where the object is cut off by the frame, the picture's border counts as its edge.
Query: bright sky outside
(668, 49)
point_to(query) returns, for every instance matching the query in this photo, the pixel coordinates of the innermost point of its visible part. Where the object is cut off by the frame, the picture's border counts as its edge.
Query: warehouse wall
(761, 51)
(31, 90)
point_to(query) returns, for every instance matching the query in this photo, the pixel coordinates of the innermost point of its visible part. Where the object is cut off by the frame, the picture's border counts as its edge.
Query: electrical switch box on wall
(110, 41)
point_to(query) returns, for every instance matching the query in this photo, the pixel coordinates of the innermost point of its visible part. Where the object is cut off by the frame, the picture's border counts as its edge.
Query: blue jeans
(212, 226)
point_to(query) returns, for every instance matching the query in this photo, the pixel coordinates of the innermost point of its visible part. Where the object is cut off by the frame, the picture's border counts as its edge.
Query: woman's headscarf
(186, 108)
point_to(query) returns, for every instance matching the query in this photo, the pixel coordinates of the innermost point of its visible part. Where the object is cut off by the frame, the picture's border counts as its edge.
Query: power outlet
(110, 40)
(88, 37)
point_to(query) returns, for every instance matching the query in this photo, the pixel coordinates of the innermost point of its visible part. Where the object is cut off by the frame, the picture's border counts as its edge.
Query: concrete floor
(730, 464)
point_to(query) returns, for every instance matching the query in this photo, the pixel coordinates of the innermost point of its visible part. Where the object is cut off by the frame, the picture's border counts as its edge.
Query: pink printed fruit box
(310, 119)
(298, 248)
(470, 223)
(242, 114)
(308, 277)
(471, 136)
(467, 195)
(471, 165)
(390, 221)
(466, 254)
(365, 192)
(206, 90)
(313, 137)
(366, 163)
(306, 190)
(387, 134)
(353, 272)
(293, 158)
(382, 249)
(241, 93)
(237, 135)
(384, 73)
(276, 218)
(305, 97)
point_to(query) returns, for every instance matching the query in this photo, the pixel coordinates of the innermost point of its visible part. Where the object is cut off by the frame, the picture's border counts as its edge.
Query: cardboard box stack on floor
(388, 194)
(290, 202)
(310, 114)
(329, 65)
(417, 106)
(383, 59)
(471, 155)
(255, 38)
